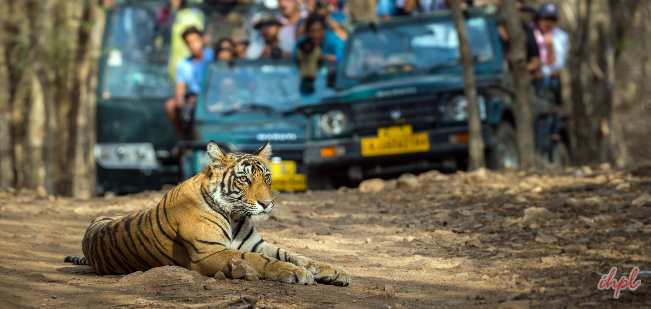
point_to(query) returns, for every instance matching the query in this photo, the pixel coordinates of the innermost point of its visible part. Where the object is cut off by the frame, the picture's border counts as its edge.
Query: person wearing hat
(268, 27)
(553, 45)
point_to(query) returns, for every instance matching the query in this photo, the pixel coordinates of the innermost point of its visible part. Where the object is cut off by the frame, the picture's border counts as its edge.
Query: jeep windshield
(137, 53)
(263, 88)
(420, 46)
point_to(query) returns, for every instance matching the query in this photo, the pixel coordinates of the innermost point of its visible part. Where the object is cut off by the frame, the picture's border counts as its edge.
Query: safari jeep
(399, 104)
(141, 46)
(248, 103)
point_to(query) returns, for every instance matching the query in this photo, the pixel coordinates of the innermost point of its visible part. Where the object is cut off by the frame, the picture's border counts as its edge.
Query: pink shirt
(560, 42)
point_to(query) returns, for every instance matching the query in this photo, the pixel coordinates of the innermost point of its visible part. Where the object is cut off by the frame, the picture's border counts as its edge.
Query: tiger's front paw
(292, 274)
(328, 274)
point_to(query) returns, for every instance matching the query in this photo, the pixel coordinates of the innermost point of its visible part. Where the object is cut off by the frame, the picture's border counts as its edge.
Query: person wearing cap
(269, 45)
(553, 45)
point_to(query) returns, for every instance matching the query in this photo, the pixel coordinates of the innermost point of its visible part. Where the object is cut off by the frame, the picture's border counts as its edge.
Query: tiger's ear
(218, 160)
(264, 152)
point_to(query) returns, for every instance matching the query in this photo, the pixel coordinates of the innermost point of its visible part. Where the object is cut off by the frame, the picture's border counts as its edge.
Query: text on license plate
(294, 182)
(284, 177)
(381, 146)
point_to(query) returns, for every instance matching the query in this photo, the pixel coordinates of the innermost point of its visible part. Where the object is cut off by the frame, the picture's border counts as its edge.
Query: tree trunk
(6, 162)
(62, 81)
(40, 142)
(34, 167)
(476, 147)
(18, 113)
(69, 163)
(617, 139)
(522, 86)
(577, 56)
(85, 181)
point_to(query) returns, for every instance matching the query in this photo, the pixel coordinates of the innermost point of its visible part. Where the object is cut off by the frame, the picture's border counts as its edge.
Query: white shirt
(560, 41)
(286, 38)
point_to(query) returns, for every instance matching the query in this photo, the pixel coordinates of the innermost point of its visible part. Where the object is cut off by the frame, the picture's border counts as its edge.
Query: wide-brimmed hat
(265, 19)
(548, 10)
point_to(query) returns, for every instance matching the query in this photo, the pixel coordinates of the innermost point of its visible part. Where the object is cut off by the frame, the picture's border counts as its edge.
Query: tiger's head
(242, 182)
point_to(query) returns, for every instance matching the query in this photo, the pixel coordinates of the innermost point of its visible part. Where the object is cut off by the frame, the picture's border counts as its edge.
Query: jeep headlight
(126, 155)
(457, 108)
(333, 122)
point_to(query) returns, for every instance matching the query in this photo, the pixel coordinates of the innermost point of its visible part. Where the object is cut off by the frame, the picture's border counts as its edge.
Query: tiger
(201, 224)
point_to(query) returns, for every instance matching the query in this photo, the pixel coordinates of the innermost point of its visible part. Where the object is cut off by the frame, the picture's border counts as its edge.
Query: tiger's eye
(243, 179)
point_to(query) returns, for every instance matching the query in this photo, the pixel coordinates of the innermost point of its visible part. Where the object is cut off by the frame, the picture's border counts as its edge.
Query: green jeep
(399, 104)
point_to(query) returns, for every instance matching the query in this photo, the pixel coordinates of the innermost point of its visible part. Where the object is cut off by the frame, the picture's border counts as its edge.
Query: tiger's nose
(264, 204)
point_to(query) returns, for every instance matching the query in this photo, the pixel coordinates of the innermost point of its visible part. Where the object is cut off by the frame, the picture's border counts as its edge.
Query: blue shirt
(332, 44)
(191, 72)
(385, 7)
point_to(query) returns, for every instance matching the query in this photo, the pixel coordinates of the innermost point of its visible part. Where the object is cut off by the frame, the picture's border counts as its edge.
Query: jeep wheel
(318, 179)
(504, 151)
(561, 156)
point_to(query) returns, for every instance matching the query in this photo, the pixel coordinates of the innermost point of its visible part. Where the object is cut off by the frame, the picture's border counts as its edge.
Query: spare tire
(504, 149)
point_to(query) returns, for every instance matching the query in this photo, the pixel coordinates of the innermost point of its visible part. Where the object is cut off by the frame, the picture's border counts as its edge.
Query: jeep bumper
(441, 148)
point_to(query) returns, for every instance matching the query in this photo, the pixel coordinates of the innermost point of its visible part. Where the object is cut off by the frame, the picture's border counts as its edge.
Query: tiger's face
(243, 181)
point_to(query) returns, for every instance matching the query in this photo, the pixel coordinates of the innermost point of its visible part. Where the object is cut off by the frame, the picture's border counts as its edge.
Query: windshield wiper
(376, 72)
(251, 106)
(441, 65)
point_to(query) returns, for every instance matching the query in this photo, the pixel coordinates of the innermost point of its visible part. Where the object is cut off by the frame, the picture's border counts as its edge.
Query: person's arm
(409, 6)
(329, 57)
(337, 29)
(533, 65)
(549, 43)
(300, 29)
(533, 52)
(180, 83)
(179, 93)
(335, 44)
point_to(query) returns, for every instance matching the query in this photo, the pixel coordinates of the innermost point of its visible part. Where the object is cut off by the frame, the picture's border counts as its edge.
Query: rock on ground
(408, 181)
(371, 185)
(241, 269)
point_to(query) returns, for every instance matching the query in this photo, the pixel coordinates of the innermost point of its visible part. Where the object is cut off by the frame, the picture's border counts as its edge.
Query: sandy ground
(432, 241)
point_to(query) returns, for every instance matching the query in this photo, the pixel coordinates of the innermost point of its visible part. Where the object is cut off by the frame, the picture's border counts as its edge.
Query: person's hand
(548, 39)
(501, 30)
(180, 101)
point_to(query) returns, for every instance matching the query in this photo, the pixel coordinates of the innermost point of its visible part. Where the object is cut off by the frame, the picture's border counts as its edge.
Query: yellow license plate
(289, 182)
(284, 177)
(396, 144)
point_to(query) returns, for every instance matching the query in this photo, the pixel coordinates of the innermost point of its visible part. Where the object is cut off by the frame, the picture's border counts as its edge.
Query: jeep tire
(561, 155)
(504, 149)
(318, 179)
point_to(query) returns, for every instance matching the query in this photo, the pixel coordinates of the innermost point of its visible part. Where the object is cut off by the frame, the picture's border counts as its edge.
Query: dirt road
(479, 240)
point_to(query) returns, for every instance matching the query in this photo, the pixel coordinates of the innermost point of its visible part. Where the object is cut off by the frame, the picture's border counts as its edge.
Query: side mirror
(331, 77)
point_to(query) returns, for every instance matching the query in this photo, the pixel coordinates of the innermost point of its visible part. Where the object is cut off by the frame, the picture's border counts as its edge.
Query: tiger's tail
(76, 260)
